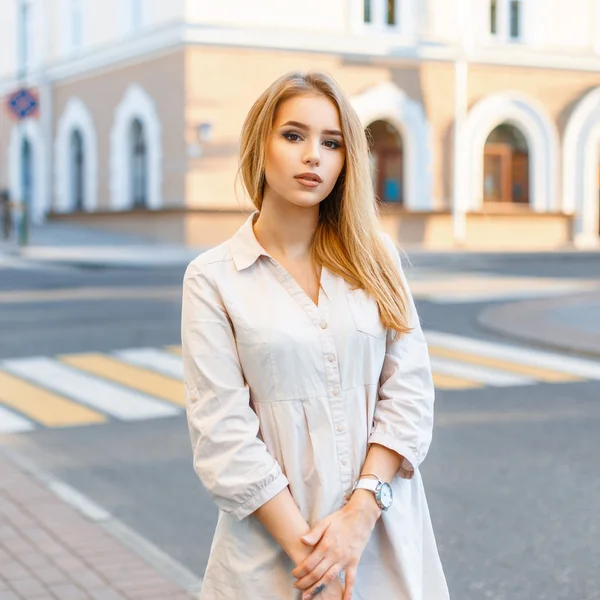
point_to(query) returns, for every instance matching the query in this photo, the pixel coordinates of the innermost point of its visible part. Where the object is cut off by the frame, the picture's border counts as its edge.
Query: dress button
(340, 428)
(336, 392)
(344, 461)
(323, 324)
(331, 358)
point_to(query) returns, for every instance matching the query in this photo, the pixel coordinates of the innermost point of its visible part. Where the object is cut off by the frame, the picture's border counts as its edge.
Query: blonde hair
(348, 239)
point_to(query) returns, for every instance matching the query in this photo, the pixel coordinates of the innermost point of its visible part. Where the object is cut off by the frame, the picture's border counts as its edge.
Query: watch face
(385, 494)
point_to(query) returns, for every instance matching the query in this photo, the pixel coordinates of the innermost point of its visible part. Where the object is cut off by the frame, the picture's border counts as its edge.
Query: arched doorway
(506, 166)
(139, 164)
(387, 162)
(77, 171)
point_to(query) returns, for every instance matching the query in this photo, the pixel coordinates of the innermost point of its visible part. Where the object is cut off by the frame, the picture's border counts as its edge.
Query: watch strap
(367, 484)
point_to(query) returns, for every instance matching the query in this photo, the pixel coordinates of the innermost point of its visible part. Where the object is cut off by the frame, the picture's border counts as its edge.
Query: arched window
(139, 165)
(506, 166)
(77, 171)
(387, 161)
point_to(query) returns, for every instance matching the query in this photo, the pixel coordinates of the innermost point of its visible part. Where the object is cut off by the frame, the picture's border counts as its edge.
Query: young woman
(307, 374)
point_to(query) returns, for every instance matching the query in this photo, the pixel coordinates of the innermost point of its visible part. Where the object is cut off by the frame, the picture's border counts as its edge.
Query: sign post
(22, 104)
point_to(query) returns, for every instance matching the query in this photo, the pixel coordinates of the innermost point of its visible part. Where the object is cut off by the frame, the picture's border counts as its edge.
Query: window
(136, 13)
(494, 17)
(385, 14)
(506, 20)
(367, 14)
(76, 24)
(25, 34)
(392, 16)
(515, 19)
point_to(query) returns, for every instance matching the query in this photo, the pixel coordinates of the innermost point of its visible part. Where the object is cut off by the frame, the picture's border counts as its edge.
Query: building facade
(484, 115)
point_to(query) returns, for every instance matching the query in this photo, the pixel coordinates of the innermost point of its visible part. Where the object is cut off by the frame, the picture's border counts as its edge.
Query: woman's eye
(291, 135)
(334, 146)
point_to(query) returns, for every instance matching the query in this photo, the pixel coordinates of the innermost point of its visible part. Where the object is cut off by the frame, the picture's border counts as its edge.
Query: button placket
(335, 395)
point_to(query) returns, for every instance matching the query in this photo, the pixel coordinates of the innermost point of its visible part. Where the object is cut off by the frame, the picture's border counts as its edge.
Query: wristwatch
(381, 489)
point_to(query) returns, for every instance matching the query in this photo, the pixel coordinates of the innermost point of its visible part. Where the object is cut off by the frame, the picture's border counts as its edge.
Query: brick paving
(49, 551)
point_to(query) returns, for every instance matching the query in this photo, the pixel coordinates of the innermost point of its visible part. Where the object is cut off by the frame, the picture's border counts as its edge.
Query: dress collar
(244, 246)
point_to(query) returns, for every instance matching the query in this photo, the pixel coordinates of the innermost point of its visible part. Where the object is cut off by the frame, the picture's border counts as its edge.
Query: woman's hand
(330, 591)
(339, 541)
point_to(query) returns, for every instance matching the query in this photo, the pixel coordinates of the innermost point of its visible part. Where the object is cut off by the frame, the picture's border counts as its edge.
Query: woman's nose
(313, 155)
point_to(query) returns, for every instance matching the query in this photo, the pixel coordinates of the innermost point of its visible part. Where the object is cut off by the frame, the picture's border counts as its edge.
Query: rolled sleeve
(403, 420)
(230, 459)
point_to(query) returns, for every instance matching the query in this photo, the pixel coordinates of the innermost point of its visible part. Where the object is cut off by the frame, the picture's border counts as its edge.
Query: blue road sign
(22, 103)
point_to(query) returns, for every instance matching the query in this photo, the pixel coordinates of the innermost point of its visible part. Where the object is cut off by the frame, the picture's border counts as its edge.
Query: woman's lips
(307, 182)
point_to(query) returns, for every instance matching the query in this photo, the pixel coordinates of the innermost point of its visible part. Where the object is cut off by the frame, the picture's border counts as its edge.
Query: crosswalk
(136, 384)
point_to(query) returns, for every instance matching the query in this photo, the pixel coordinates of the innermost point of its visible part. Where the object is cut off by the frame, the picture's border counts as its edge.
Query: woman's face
(306, 138)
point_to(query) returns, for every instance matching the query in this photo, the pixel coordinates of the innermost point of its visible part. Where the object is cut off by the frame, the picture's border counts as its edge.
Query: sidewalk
(74, 245)
(567, 323)
(49, 551)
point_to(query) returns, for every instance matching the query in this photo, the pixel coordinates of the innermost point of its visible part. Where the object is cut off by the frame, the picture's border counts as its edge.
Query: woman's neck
(286, 230)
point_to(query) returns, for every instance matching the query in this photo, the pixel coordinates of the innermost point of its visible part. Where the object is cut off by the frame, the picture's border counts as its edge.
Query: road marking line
(449, 382)
(502, 365)
(484, 375)
(43, 406)
(102, 395)
(90, 293)
(11, 423)
(137, 378)
(588, 369)
(153, 359)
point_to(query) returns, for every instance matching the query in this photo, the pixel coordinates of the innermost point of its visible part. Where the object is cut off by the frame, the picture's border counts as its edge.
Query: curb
(527, 322)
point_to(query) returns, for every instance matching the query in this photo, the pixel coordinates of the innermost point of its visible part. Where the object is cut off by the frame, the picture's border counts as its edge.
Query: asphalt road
(512, 478)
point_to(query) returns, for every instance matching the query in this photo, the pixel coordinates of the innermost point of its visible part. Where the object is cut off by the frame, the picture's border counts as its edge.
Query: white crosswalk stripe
(485, 375)
(154, 359)
(580, 367)
(11, 423)
(102, 395)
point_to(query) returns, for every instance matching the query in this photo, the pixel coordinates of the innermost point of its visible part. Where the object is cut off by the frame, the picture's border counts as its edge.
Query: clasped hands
(338, 542)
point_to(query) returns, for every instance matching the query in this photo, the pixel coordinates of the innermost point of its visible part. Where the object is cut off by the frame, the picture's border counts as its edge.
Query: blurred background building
(484, 114)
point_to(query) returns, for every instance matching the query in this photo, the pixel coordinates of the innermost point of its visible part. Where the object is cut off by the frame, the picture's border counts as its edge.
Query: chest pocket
(365, 313)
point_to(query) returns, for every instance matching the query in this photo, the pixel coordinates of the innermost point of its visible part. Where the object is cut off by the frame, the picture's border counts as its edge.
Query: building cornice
(367, 48)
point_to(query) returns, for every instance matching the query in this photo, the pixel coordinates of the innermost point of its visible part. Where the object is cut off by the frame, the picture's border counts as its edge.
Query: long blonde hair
(347, 240)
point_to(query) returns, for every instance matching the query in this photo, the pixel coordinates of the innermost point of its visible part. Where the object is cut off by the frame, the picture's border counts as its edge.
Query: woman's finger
(350, 579)
(316, 533)
(309, 563)
(330, 576)
(315, 575)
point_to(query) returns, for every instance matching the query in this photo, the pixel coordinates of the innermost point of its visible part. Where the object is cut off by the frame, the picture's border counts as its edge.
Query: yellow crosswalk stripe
(44, 406)
(504, 365)
(449, 382)
(174, 350)
(143, 380)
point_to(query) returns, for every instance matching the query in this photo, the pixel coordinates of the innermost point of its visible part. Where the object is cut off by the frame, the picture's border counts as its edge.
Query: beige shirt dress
(281, 392)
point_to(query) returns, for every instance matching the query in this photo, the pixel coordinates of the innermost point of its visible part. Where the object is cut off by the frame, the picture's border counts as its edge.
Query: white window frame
(379, 23)
(503, 17)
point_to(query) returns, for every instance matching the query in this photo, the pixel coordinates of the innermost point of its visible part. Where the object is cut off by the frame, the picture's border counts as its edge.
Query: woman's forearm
(382, 461)
(281, 517)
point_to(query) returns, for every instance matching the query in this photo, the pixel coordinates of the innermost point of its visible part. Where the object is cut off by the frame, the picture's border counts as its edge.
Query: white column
(461, 72)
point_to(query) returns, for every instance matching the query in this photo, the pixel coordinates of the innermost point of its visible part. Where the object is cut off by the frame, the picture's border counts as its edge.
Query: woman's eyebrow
(306, 128)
